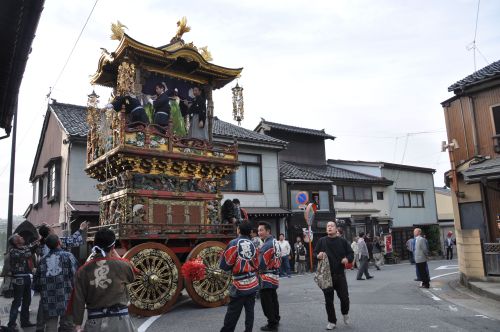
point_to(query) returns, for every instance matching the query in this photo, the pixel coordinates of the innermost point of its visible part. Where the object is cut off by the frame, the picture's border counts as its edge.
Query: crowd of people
(99, 286)
(255, 259)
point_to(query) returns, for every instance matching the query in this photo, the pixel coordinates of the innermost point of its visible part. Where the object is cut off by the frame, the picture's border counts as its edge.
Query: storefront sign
(388, 243)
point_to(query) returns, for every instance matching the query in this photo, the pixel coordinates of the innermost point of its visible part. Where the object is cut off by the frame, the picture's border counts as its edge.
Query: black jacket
(162, 103)
(199, 106)
(129, 102)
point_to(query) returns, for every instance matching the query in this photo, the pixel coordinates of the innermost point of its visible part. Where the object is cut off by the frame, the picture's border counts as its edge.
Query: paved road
(391, 301)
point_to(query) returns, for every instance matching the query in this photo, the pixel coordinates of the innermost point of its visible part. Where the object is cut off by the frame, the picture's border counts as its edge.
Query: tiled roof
(489, 169)
(226, 129)
(291, 171)
(483, 74)
(266, 125)
(327, 172)
(73, 118)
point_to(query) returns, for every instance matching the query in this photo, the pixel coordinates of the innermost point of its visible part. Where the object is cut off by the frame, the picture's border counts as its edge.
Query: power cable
(73, 49)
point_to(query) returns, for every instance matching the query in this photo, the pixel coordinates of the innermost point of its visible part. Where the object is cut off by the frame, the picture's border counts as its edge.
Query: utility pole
(12, 172)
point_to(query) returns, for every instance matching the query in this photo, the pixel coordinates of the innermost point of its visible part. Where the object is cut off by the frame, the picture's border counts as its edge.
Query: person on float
(197, 111)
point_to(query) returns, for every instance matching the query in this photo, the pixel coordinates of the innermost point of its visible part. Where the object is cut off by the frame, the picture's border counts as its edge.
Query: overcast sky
(368, 72)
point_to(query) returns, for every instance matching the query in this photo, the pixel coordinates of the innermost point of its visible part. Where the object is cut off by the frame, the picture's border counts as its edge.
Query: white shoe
(330, 326)
(347, 320)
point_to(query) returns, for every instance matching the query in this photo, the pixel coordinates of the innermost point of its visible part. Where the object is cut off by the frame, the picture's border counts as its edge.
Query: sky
(371, 73)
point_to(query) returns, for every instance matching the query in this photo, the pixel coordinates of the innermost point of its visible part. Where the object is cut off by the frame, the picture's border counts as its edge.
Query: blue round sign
(302, 197)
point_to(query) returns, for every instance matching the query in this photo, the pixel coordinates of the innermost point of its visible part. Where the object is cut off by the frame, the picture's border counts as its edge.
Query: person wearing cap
(101, 287)
(54, 281)
(449, 243)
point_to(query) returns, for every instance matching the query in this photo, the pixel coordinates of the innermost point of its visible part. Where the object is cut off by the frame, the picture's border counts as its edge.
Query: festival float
(160, 188)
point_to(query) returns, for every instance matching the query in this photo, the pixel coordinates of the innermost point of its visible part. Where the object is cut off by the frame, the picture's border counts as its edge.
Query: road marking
(434, 297)
(443, 275)
(453, 308)
(433, 326)
(447, 267)
(482, 316)
(144, 326)
(415, 309)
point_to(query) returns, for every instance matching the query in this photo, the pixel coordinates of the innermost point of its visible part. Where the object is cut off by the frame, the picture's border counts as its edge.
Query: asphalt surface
(391, 301)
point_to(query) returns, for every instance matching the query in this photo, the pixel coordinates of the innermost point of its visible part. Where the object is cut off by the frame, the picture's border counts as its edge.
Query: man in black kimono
(133, 108)
(197, 112)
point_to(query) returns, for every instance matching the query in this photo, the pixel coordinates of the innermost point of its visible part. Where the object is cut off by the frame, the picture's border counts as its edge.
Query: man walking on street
(285, 256)
(338, 252)
(54, 281)
(363, 258)
(449, 243)
(269, 265)
(421, 252)
(240, 258)
(101, 287)
(300, 252)
(378, 255)
(21, 267)
(354, 247)
(410, 246)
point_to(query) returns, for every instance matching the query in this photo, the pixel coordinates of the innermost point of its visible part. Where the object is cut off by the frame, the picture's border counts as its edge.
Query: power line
(73, 49)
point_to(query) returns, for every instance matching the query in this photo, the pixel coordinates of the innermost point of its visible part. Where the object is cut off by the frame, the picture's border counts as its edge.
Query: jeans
(22, 294)
(339, 286)
(285, 266)
(363, 268)
(270, 306)
(234, 311)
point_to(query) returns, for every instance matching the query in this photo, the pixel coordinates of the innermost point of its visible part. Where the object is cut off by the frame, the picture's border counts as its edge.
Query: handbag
(323, 276)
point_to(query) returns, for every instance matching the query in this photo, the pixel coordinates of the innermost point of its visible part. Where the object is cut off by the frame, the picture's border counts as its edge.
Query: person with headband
(101, 287)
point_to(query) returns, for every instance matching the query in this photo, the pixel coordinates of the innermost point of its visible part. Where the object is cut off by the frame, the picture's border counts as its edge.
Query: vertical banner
(388, 243)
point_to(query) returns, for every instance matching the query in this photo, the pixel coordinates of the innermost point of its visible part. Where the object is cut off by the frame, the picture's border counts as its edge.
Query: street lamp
(238, 109)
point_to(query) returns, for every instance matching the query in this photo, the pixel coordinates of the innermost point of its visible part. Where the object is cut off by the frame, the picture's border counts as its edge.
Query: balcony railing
(134, 231)
(108, 130)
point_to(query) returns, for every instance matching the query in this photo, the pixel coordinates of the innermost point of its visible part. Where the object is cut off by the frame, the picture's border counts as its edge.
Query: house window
(53, 182)
(354, 194)
(44, 187)
(496, 119)
(248, 177)
(36, 192)
(380, 195)
(408, 199)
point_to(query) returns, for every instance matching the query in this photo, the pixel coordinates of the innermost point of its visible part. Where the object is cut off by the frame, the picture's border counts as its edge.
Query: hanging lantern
(238, 109)
(93, 100)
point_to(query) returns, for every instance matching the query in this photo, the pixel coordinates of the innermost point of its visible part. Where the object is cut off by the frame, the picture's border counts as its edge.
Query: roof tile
(485, 73)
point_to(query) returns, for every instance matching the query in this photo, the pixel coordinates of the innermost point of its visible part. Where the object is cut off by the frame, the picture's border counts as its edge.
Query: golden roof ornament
(182, 28)
(205, 53)
(117, 30)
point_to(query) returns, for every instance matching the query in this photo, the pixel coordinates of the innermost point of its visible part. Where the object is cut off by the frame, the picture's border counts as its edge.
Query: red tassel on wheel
(193, 269)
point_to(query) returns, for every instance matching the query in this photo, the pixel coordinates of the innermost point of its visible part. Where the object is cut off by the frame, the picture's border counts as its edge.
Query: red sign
(388, 243)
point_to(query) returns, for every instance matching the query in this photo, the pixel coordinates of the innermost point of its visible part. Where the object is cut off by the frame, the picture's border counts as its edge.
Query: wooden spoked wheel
(213, 291)
(158, 284)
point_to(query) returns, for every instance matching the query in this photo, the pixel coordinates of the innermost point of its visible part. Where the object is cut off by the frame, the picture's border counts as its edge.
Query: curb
(456, 284)
(482, 292)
